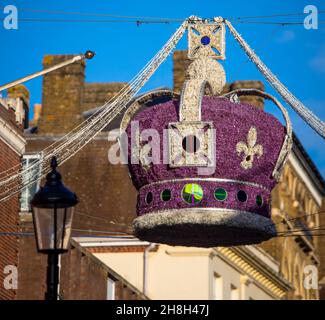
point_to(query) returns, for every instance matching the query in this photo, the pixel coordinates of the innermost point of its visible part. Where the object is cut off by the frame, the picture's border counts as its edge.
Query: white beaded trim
(252, 184)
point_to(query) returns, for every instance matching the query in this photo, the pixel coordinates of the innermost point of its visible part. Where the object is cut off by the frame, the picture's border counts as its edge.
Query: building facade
(166, 272)
(273, 270)
(297, 209)
(13, 109)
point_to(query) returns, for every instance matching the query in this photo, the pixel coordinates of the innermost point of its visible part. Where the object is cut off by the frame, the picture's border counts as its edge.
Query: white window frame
(28, 157)
(234, 292)
(110, 292)
(218, 293)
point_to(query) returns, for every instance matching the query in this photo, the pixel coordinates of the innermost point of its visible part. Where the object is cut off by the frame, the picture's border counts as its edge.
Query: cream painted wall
(183, 273)
(255, 293)
(179, 273)
(128, 264)
(232, 278)
(229, 275)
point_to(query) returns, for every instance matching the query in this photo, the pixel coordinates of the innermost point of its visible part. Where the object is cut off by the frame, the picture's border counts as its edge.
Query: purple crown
(206, 172)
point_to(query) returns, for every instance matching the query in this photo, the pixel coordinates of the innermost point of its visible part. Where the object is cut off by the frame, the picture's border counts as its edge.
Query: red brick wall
(107, 202)
(8, 223)
(8, 115)
(86, 279)
(105, 191)
(31, 268)
(82, 279)
(180, 64)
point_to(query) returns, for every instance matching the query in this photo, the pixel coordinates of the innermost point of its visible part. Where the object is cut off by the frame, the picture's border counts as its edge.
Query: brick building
(108, 199)
(101, 188)
(296, 200)
(12, 147)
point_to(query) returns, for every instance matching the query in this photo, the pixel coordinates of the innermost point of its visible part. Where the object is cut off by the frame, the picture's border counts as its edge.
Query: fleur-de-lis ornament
(249, 149)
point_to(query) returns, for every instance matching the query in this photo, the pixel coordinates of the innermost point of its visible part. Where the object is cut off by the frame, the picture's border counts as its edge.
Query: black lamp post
(53, 208)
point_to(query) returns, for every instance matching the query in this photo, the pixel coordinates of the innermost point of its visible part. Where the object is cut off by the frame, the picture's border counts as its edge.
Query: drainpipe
(145, 266)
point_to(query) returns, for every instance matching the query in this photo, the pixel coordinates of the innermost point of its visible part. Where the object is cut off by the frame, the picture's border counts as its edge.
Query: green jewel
(259, 200)
(192, 193)
(220, 194)
(166, 195)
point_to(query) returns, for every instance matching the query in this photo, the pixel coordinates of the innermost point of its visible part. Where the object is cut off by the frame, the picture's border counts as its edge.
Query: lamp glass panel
(53, 227)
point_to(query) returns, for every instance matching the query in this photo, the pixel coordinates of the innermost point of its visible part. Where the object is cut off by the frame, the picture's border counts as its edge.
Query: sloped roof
(308, 164)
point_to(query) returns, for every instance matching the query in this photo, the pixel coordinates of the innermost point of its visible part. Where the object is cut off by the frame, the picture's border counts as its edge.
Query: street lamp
(53, 208)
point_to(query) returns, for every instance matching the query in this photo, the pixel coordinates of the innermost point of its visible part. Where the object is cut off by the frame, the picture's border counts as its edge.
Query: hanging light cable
(307, 115)
(79, 137)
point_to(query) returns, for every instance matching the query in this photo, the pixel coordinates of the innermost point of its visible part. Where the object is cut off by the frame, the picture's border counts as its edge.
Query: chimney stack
(21, 93)
(258, 102)
(62, 96)
(180, 64)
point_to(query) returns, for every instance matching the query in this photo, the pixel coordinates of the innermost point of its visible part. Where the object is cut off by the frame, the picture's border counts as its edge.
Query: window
(28, 193)
(110, 289)
(217, 287)
(234, 293)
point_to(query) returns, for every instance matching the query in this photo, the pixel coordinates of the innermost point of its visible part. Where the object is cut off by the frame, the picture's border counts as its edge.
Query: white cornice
(265, 279)
(12, 138)
(110, 242)
(303, 175)
(264, 257)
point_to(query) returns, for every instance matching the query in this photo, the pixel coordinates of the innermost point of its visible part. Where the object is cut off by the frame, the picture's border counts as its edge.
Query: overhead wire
(96, 21)
(281, 23)
(306, 114)
(139, 22)
(152, 20)
(307, 231)
(109, 221)
(314, 232)
(300, 217)
(86, 121)
(117, 16)
(276, 15)
(262, 45)
(93, 125)
(80, 13)
(76, 139)
(108, 234)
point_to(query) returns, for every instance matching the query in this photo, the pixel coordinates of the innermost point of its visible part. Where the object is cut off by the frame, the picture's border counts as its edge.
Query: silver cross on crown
(206, 38)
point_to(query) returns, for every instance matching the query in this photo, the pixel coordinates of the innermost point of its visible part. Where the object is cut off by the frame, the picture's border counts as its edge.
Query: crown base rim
(203, 228)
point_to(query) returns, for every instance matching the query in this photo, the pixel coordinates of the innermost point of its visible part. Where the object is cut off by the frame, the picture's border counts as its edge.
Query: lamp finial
(54, 163)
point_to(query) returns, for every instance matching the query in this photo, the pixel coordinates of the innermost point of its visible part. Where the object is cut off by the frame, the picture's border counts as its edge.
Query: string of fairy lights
(14, 180)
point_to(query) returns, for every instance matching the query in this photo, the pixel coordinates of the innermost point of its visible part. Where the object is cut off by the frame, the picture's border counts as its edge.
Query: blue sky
(294, 54)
